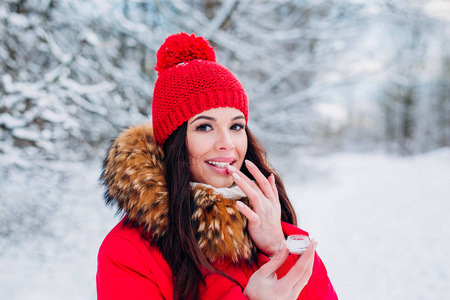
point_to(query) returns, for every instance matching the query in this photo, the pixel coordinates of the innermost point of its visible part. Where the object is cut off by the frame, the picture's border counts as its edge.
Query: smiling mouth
(220, 164)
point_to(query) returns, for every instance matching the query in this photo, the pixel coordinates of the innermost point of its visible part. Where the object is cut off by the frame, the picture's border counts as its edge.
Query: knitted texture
(190, 82)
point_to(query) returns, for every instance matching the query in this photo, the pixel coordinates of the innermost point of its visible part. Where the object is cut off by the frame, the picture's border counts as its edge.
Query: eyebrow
(214, 119)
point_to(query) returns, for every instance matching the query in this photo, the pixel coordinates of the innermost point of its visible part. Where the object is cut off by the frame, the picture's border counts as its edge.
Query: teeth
(218, 164)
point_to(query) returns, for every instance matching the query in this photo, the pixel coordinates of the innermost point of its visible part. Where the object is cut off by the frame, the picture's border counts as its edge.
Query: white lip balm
(298, 243)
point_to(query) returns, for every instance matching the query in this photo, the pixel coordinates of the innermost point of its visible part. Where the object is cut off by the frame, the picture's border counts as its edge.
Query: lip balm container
(297, 244)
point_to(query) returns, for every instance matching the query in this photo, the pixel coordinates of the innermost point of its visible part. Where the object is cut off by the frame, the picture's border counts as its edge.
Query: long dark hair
(179, 247)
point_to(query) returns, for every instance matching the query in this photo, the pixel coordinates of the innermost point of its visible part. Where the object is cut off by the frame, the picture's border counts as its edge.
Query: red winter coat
(130, 268)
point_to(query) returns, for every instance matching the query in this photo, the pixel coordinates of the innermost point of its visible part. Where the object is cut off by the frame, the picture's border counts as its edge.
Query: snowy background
(381, 222)
(358, 94)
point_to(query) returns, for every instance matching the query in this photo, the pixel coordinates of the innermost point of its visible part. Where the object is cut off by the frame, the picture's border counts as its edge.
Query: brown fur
(133, 175)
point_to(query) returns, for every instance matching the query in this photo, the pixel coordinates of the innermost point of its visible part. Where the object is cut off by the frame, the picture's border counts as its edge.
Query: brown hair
(179, 247)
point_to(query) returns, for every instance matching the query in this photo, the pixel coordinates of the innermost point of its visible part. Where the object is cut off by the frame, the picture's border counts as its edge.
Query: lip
(221, 171)
(222, 159)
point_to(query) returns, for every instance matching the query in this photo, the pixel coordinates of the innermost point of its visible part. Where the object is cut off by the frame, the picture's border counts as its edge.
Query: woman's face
(216, 138)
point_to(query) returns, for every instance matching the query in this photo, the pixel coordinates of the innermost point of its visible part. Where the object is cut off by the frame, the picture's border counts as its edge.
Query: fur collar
(133, 175)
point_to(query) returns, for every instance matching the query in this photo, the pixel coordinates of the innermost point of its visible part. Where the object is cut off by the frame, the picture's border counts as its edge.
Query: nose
(224, 141)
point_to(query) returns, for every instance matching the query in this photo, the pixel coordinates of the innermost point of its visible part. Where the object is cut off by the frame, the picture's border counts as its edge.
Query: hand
(264, 221)
(263, 284)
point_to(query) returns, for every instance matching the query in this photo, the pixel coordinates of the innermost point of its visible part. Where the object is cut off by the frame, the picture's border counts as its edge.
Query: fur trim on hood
(133, 175)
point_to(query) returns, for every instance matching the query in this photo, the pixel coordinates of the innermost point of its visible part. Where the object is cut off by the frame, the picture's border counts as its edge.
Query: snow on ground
(52, 255)
(381, 223)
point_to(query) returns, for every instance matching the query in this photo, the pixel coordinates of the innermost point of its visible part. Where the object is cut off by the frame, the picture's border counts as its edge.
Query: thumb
(276, 262)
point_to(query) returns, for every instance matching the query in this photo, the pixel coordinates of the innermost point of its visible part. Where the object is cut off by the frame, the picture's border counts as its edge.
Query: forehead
(220, 112)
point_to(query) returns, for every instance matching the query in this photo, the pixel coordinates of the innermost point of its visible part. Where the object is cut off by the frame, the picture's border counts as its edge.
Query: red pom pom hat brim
(190, 82)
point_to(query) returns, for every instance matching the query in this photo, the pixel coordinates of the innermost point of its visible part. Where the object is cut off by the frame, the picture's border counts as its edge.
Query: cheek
(195, 168)
(194, 161)
(196, 150)
(192, 146)
(241, 147)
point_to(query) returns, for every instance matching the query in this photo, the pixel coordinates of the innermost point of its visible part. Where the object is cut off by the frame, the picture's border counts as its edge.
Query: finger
(301, 266)
(276, 262)
(247, 212)
(252, 195)
(273, 185)
(298, 287)
(263, 183)
(244, 177)
(303, 281)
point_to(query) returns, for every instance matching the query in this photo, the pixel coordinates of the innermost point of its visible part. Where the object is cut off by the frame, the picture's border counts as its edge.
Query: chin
(220, 183)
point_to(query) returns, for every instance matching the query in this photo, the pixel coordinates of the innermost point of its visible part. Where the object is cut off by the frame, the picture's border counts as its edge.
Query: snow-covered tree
(75, 72)
(279, 49)
(66, 86)
(414, 90)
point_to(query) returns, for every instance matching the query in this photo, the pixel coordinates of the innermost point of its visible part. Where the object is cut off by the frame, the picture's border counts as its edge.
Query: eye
(203, 127)
(237, 127)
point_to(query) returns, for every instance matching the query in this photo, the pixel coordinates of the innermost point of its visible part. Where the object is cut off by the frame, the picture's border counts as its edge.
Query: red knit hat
(189, 82)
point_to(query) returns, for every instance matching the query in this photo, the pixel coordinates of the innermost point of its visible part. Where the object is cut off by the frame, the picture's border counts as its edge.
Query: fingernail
(231, 168)
(239, 203)
(314, 242)
(282, 245)
(249, 163)
(236, 176)
(273, 177)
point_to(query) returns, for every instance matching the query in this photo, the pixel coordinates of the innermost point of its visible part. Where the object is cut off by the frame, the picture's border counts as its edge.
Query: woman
(206, 216)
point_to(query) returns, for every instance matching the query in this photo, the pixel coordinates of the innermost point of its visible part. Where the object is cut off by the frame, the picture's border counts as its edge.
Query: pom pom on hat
(190, 81)
(182, 47)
